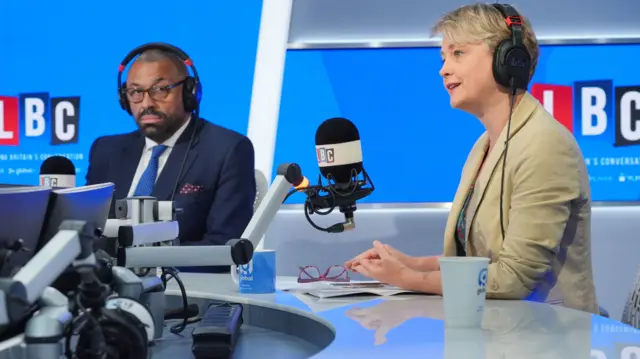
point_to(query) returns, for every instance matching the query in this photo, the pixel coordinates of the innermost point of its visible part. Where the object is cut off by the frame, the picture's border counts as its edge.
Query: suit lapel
(126, 164)
(521, 115)
(165, 185)
(468, 175)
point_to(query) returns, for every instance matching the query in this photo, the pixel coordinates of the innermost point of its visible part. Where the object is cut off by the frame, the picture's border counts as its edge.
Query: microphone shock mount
(103, 333)
(323, 199)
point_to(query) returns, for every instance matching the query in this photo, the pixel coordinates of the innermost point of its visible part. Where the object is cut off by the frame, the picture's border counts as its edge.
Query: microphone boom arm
(73, 244)
(236, 251)
(287, 176)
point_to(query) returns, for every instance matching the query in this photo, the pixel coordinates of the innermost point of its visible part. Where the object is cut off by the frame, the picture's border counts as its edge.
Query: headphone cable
(512, 101)
(195, 115)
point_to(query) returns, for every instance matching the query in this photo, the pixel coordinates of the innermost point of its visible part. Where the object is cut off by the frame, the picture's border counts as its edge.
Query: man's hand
(386, 268)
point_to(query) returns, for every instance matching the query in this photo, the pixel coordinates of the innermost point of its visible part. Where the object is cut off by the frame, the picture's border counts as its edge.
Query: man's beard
(158, 132)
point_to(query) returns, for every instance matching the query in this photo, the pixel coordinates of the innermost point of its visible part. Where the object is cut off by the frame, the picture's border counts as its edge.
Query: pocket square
(191, 188)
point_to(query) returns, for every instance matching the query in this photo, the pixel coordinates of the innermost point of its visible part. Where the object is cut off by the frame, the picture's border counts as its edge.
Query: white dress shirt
(146, 156)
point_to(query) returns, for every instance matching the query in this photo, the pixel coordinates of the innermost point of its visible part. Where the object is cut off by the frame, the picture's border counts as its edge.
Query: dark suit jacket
(220, 160)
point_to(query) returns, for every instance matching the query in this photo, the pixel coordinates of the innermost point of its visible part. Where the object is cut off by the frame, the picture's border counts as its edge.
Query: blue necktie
(148, 179)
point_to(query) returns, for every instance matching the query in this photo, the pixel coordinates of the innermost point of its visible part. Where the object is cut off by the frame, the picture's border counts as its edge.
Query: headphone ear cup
(518, 64)
(190, 94)
(500, 71)
(511, 62)
(122, 98)
(198, 93)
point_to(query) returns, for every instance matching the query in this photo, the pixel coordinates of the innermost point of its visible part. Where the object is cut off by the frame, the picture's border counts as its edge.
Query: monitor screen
(87, 203)
(22, 215)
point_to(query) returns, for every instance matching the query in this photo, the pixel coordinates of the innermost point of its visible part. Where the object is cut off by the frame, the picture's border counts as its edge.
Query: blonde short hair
(484, 23)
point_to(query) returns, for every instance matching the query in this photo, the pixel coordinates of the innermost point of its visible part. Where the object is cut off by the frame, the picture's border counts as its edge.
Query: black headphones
(511, 69)
(511, 60)
(120, 333)
(191, 88)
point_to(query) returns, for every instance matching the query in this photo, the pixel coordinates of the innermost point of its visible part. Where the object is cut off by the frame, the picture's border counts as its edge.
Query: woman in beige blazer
(539, 242)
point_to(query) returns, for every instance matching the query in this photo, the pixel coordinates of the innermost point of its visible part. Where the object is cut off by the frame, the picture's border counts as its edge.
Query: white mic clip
(145, 209)
(142, 221)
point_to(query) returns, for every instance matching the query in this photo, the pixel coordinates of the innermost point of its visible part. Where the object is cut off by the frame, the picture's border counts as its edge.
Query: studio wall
(62, 62)
(375, 23)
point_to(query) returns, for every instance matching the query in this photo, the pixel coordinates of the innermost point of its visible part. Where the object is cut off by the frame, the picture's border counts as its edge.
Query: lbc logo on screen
(594, 109)
(38, 116)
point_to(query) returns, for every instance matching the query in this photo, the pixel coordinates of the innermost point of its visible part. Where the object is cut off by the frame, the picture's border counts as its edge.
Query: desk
(372, 328)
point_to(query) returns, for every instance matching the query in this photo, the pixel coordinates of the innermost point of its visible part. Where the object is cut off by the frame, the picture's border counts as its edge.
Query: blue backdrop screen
(68, 52)
(414, 144)
(58, 93)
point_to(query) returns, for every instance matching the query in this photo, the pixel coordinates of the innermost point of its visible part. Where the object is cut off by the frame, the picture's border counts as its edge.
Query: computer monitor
(87, 203)
(22, 216)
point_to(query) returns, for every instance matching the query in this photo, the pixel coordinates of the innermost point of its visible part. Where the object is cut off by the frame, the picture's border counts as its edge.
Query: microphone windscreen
(338, 150)
(57, 165)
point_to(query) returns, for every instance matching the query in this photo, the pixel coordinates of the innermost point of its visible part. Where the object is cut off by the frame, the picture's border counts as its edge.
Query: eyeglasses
(310, 274)
(157, 93)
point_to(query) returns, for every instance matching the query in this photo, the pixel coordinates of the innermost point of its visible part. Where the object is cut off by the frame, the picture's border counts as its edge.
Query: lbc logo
(48, 181)
(325, 155)
(598, 107)
(36, 114)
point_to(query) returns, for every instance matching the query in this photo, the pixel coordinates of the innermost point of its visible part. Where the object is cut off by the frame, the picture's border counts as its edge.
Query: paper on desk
(332, 290)
(291, 284)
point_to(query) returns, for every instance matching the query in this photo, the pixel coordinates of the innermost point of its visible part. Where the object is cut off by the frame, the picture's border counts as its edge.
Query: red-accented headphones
(191, 88)
(511, 60)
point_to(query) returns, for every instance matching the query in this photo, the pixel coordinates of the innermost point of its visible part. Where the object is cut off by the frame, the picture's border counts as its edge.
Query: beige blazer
(546, 252)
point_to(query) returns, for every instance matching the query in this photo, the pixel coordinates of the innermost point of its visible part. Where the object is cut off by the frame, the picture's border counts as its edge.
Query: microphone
(339, 151)
(117, 327)
(57, 171)
(109, 327)
(339, 154)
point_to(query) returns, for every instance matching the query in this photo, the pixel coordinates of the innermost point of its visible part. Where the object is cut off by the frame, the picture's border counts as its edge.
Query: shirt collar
(171, 141)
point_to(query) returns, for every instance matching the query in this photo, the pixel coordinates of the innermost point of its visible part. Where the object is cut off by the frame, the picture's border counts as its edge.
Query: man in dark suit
(216, 189)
